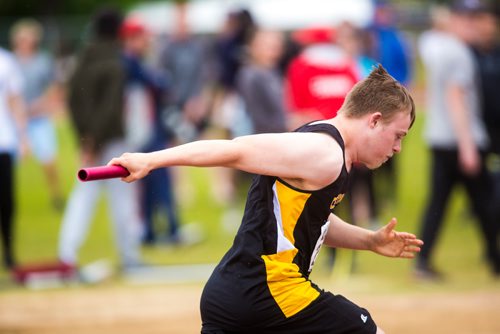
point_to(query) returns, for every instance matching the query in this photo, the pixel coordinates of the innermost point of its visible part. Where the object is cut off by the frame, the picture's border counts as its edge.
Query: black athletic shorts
(328, 314)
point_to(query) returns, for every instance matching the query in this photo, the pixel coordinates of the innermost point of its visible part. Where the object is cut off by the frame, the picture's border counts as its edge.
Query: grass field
(382, 284)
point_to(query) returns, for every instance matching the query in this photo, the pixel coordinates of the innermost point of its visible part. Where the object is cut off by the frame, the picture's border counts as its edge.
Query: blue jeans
(158, 194)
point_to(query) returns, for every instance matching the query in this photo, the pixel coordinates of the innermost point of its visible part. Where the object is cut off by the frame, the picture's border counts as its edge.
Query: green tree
(58, 7)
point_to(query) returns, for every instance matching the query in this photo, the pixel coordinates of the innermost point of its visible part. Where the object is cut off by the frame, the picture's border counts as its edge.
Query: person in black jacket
(96, 100)
(487, 54)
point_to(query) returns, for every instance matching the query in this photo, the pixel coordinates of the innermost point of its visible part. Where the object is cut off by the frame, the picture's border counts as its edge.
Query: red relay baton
(102, 172)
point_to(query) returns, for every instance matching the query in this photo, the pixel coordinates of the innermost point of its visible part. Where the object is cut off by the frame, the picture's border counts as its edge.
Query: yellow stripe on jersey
(289, 288)
(288, 206)
(291, 291)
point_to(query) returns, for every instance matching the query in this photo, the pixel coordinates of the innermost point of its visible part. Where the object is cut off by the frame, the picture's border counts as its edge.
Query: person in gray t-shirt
(454, 132)
(260, 85)
(42, 96)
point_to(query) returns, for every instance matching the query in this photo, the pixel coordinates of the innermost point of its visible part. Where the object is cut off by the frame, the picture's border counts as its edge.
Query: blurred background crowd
(147, 76)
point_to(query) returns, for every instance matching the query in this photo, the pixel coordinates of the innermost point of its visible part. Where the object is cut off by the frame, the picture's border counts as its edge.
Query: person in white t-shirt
(12, 143)
(454, 130)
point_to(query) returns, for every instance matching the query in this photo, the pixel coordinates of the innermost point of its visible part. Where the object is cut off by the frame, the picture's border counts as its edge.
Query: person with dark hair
(143, 95)
(262, 284)
(240, 25)
(96, 106)
(487, 54)
(228, 109)
(107, 23)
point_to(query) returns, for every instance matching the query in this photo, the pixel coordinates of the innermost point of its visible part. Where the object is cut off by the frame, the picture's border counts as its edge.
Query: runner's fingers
(407, 235)
(407, 255)
(412, 249)
(414, 242)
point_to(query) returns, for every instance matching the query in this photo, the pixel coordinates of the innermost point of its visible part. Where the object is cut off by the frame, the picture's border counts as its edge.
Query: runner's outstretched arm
(385, 241)
(313, 160)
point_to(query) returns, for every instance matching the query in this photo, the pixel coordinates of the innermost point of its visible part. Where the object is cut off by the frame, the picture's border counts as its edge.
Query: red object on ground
(102, 172)
(62, 270)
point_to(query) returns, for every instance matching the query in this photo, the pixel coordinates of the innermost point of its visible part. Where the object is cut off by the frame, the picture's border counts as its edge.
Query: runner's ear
(374, 119)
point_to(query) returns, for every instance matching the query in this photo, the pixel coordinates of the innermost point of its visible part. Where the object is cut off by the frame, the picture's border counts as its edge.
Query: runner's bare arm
(312, 160)
(386, 241)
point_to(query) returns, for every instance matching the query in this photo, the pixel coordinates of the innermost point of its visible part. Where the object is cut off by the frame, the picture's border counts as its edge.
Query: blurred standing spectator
(230, 46)
(319, 78)
(184, 59)
(42, 97)
(260, 85)
(157, 188)
(353, 40)
(291, 49)
(12, 142)
(228, 111)
(487, 53)
(389, 47)
(454, 131)
(96, 105)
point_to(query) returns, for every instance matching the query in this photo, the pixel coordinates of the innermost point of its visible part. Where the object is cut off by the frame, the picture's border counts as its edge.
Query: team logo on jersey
(336, 201)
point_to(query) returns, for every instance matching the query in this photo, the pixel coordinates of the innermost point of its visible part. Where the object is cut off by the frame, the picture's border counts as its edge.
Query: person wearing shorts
(262, 284)
(42, 95)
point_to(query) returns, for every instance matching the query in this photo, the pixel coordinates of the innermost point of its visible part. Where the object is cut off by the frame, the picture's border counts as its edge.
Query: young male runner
(262, 284)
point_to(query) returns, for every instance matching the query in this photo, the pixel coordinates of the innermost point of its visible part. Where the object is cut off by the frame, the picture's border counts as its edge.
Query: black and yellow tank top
(265, 274)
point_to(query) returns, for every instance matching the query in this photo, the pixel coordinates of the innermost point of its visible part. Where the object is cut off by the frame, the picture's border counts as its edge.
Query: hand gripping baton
(102, 172)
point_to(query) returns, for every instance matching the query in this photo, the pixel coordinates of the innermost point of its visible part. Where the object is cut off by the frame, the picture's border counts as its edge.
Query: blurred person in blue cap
(389, 46)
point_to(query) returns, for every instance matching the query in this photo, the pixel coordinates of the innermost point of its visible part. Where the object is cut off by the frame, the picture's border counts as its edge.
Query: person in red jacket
(318, 80)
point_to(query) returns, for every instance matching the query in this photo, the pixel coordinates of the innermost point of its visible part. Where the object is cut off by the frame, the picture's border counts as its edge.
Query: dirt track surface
(174, 309)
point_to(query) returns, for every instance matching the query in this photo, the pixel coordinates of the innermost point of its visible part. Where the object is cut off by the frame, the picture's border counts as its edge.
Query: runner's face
(385, 139)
